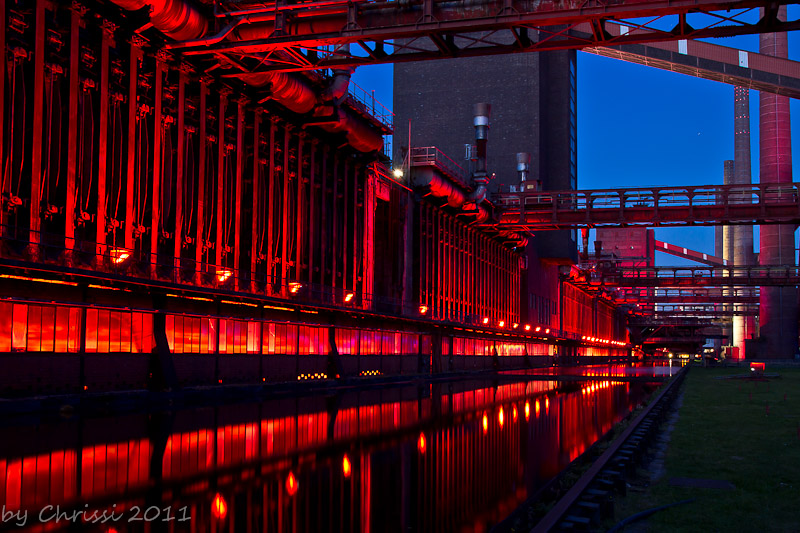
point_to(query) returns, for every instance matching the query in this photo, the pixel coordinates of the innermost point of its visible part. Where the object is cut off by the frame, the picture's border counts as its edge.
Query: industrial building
(176, 216)
(225, 298)
(170, 220)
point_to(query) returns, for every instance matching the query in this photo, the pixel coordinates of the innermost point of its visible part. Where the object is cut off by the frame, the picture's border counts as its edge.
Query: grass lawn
(741, 431)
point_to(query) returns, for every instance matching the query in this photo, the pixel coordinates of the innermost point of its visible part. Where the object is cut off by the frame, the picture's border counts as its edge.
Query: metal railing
(367, 102)
(652, 205)
(432, 156)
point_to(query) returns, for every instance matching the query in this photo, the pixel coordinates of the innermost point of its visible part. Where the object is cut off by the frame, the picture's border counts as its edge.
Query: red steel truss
(708, 205)
(711, 62)
(686, 253)
(744, 276)
(314, 35)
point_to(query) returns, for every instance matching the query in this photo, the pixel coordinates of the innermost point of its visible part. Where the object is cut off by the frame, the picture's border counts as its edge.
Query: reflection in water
(438, 457)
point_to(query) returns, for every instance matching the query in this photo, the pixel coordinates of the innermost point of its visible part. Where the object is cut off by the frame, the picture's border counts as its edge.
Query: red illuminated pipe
(176, 19)
(181, 21)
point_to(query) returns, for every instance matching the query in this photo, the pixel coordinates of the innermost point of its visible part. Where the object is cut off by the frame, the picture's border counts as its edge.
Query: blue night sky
(640, 126)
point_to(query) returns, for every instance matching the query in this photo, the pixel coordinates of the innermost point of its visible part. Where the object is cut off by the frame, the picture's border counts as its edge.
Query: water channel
(457, 455)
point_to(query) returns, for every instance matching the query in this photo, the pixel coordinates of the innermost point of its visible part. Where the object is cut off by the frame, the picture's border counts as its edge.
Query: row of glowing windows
(47, 328)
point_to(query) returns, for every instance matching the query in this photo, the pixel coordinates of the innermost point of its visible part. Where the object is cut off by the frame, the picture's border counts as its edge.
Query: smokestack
(523, 166)
(482, 113)
(777, 305)
(742, 235)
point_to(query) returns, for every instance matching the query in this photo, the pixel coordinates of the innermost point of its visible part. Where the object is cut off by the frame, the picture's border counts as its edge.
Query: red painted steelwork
(749, 276)
(764, 203)
(686, 253)
(432, 30)
(749, 70)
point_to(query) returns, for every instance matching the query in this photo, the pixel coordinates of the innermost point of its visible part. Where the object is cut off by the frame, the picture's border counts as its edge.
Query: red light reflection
(219, 507)
(291, 484)
(501, 417)
(421, 443)
(346, 466)
(485, 423)
(527, 411)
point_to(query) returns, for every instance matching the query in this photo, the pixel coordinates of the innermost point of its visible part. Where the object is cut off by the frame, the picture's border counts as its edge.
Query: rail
(762, 203)
(596, 471)
(366, 102)
(432, 156)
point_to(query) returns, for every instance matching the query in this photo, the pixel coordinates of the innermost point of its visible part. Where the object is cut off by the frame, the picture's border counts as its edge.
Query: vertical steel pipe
(135, 57)
(285, 221)
(102, 154)
(270, 223)
(73, 85)
(300, 222)
(178, 234)
(257, 215)
(237, 211)
(220, 197)
(158, 133)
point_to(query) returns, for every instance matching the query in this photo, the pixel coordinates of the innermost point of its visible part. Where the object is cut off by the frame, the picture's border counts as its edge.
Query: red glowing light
(348, 297)
(294, 287)
(421, 443)
(547, 403)
(346, 466)
(502, 323)
(291, 484)
(119, 255)
(485, 423)
(538, 329)
(423, 309)
(501, 417)
(537, 408)
(547, 330)
(527, 411)
(514, 413)
(223, 275)
(514, 325)
(527, 327)
(219, 507)
(486, 320)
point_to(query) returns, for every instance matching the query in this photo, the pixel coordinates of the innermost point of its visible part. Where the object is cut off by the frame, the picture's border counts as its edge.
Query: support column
(777, 305)
(102, 162)
(270, 224)
(135, 56)
(237, 218)
(202, 140)
(221, 150)
(179, 174)
(367, 282)
(257, 215)
(72, 128)
(38, 123)
(287, 135)
(158, 135)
